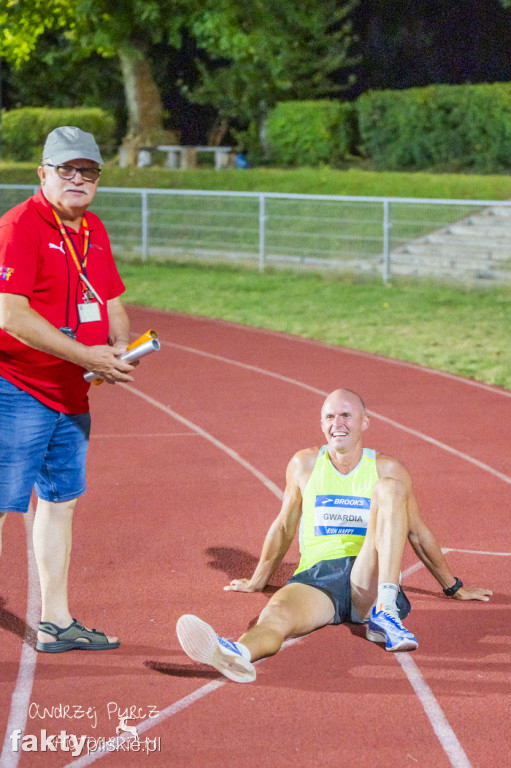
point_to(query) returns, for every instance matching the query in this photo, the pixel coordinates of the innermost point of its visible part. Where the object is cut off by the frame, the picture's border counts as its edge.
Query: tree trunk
(145, 109)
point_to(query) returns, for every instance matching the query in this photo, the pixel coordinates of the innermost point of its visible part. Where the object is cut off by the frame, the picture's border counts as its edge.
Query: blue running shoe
(200, 642)
(387, 628)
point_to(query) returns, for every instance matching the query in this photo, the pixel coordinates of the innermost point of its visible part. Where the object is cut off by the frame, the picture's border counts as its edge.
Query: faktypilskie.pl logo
(126, 739)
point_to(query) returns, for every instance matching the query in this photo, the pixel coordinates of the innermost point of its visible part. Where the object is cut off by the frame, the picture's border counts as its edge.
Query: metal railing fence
(457, 239)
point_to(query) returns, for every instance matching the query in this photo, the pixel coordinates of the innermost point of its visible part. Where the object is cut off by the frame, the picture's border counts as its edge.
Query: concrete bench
(182, 156)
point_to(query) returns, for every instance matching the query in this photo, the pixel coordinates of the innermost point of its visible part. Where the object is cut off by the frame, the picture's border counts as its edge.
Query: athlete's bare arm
(283, 529)
(420, 537)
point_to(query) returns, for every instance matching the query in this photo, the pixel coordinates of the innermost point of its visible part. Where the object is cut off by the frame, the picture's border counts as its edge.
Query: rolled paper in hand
(139, 348)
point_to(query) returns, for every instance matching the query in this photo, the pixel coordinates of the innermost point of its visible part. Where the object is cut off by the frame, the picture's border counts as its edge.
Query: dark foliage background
(400, 44)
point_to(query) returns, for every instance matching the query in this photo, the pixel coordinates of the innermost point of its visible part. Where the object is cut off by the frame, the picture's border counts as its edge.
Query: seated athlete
(356, 508)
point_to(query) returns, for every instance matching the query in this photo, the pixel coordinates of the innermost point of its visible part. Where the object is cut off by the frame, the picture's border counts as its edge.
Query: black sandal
(74, 637)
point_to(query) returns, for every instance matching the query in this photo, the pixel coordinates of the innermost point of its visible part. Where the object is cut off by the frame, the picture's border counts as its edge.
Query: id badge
(90, 312)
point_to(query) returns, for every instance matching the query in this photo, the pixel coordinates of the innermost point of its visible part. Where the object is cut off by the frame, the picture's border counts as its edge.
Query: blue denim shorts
(333, 577)
(40, 448)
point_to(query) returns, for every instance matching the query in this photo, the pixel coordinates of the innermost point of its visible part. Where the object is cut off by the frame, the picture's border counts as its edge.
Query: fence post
(145, 216)
(386, 240)
(262, 232)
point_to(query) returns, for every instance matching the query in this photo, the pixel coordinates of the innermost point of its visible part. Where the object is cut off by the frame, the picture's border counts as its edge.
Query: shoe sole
(199, 641)
(61, 646)
(379, 637)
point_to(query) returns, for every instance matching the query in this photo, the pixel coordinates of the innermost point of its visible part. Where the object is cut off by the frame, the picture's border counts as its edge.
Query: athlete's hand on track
(241, 585)
(473, 593)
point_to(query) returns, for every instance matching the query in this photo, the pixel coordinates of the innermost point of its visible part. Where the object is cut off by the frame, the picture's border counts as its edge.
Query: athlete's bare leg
(294, 610)
(379, 560)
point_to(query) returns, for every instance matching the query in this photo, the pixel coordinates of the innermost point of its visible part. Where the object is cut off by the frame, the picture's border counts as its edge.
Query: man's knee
(297, 609)
(277, 614)
(391, 491)
(57, 507)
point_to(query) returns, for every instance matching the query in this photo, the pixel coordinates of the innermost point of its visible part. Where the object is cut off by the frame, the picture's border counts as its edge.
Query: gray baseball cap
(69, 143)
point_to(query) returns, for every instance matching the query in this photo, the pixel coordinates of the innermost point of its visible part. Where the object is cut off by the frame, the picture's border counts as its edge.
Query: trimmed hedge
(451, 127)
(24, 130)
(310, 132)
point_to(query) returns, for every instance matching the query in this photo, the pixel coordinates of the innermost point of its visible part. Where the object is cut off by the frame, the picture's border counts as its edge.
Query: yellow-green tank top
(335, 509)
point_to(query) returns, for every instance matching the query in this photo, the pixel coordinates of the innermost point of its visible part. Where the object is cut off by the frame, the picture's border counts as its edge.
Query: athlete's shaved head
(343, 421)
(347, 393)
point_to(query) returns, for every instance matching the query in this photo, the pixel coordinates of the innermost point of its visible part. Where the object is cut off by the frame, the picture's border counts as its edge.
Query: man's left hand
(472, 593)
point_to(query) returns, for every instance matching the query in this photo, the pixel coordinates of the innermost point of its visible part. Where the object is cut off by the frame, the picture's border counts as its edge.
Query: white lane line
(350, 351)
(418, 565)
(432, 708)
(445, 447)
(421, 435)
(207, 436)
(439, 723)
(21, 697)
(27, 666)
(434, 713)
(246, 366)
(475, 552)
(145, 725)
(367, 355)
(164, 714)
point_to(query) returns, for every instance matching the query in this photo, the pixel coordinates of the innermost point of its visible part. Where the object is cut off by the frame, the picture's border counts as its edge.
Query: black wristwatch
(450, 591)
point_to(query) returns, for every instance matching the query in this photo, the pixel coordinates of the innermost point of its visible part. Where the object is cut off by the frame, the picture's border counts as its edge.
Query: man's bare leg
(375, 573)
(3, 515)
(52, 536)
(294, 610)
(379, 560)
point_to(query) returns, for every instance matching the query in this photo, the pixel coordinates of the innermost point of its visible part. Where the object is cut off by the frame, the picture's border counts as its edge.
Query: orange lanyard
(70, 245)
(80, 266)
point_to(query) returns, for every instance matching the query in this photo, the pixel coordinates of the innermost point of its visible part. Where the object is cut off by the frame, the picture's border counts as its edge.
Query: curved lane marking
(207, 436)
(350, 351)
(444, 732)
(360, 353)
(288, 380)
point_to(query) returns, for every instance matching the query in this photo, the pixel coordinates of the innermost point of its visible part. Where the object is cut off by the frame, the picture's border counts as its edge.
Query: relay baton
(143, 346)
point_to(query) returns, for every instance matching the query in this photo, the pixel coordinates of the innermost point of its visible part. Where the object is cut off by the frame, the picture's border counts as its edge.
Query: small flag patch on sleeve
(6, 273)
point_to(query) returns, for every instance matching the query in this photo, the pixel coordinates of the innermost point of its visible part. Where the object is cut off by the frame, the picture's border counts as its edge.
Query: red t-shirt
(34, 262)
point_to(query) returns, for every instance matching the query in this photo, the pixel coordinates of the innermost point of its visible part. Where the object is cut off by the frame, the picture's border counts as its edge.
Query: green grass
(327, 181)
(461, 330)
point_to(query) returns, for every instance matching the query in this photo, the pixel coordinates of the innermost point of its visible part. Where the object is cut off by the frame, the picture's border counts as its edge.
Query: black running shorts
(333, 578)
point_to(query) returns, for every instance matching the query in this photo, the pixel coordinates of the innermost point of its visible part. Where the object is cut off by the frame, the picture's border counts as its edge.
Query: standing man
(60, 315)
(355, 508)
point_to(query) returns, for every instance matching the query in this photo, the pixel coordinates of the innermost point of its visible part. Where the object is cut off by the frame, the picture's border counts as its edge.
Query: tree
(125, 29)
(268, 51)
(271, 47)
(93, 82)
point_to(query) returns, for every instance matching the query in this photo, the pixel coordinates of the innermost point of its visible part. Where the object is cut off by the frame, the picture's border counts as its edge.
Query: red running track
(185, 472)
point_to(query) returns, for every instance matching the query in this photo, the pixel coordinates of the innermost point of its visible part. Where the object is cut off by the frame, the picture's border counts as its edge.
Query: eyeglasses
(68, 172)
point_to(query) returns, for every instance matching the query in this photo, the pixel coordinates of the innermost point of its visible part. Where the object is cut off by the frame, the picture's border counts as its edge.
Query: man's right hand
(104, 361)
(241, 585)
